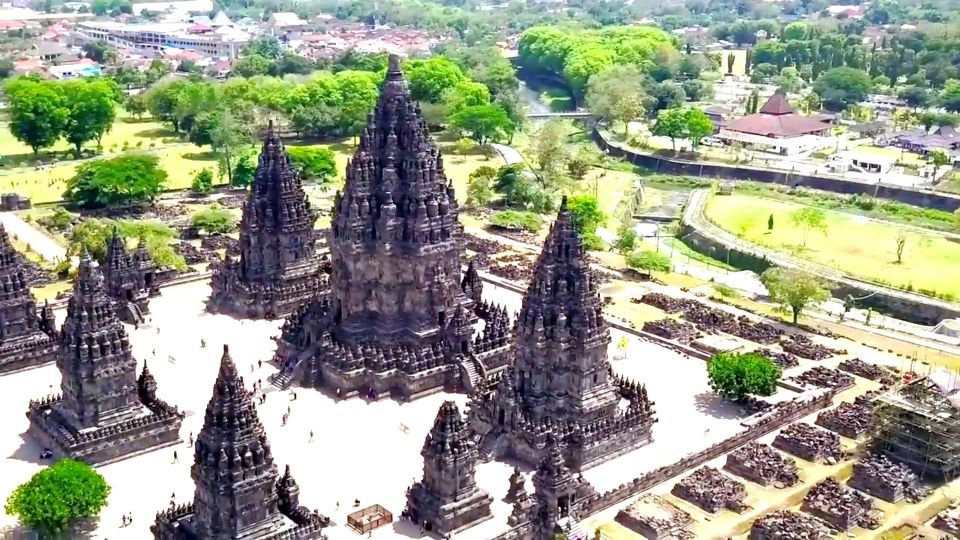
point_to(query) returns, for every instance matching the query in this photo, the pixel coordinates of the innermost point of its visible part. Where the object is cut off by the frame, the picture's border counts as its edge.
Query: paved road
(509, 154)
(26, 233)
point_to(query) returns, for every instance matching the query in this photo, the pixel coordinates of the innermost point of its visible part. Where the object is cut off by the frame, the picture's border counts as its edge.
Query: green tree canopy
(843, 86)
(480, 186)
(93, 108)
(251, 66)
(586, 215)
(735, 376)
(430, 79)
(517, 220)
(650, 261)
(617, 94)
(93, 235)
(794, 289)
(314, 164)
(123, 180)
(684, 123)
(483, 123)
(57, 496)
(38, 112)
(213, 219)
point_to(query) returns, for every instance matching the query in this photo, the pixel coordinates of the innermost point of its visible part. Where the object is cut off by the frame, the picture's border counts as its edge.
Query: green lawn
(852, 244)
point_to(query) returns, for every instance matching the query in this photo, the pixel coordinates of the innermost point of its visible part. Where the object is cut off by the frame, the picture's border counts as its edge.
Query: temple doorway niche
(563, 506)
(129, 294)
(502, 417)
(148, 279)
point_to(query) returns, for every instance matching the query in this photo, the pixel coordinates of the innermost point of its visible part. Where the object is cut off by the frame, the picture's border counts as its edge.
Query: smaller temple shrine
(554, 508)
(560, 383)
(448, 500)
(279, 268)
(104, 413)
(131, 279)
(240, 494)
(28, 338)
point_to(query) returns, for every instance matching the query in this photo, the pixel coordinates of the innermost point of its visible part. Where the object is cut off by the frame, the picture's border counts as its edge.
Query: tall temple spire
(104, 414)
(278, 267)
(448, 499)
(130, 279)
(26, 340)
(561, 330)
(239, 493)
(395, 310)
(99, 371)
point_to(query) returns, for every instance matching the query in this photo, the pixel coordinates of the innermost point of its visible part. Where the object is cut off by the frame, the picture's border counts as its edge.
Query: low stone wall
(847, 186)
(775, 420)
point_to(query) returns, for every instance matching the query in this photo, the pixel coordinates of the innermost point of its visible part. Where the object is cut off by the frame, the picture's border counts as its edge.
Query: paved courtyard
(365, 451)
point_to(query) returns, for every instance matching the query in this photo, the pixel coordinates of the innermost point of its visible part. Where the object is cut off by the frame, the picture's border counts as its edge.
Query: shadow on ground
(715, 406)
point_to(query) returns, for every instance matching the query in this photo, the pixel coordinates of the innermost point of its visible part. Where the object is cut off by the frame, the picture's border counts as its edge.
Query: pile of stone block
(763, 465)
(672, 329)
(866, 370)
(654, 518)
(666, 302)
(809, 442)
(824, 377)
(840, 506)
(783, 359)
(804, 347)
(885, 479)
(711, 490)
(852, 420)
(787, 525)
(948, 521)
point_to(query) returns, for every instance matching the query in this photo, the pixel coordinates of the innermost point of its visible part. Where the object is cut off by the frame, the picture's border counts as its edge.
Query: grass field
(852, 244)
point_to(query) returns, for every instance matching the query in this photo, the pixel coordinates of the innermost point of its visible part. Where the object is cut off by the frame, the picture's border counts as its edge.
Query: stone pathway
(28, 234)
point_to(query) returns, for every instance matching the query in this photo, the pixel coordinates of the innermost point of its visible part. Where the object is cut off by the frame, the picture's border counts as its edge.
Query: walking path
(38, 241)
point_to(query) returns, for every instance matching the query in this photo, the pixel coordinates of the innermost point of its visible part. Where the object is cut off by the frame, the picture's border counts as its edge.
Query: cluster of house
(182, 30)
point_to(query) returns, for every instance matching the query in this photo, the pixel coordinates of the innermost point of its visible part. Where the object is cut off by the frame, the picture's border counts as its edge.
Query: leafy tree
(38, 112)
(213, 219)
(316, 164)
(794, 289)
(92, 109)
(770, 223)
(466, 94)
(59, 495)
(650, 261)
(950, 95)
(789, 80)
(586, 215)
(480, 186)
(684, 123)
(939, 158)
(430, 79)
(807, 219)
(626, 239)
(795, 31)
(163, 100)
(98, 51)
(127, 179)
(483, 123)
(617, 94)
(517, 220)
(843, 86)
(464, 146)
(265, 46)
(579, 163)
(292, 64)
(244, 170)
(251, 66)
(549, 146)
(202, 182)
(914, 96)
(519, 190)
(665, 95)
(226, 134)
(731, 61)
(735, 376)
(136, 105)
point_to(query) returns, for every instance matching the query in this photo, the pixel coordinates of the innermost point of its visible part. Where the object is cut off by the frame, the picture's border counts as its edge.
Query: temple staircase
(573, 530)
(290, 370)
(488, 444)
(471, 373)
(133, 314)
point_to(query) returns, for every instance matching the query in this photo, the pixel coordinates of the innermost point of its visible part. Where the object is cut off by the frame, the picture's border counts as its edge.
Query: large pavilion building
(777, 128)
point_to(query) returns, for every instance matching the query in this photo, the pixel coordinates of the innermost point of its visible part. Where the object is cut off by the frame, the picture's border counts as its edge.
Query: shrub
(202, 182)
(213, 219)
(59, 495)
(735, 376)
(517, 220)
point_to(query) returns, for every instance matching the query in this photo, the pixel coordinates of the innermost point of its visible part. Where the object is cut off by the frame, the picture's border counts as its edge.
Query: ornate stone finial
(393, 65)
(146, 385)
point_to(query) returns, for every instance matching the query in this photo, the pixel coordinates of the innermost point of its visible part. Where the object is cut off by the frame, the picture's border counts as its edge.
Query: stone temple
(396, 319)
(279, 268)
(560, 382)
(131, 280)
(239, 492)
(105, 413)
(27, 338)
(448, 500)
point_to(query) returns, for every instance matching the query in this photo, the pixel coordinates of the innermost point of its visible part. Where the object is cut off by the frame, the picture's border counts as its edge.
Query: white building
(224, 42)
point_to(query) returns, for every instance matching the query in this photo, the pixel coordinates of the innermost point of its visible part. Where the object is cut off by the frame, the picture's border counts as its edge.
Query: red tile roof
(777, 104)
(777, 119)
